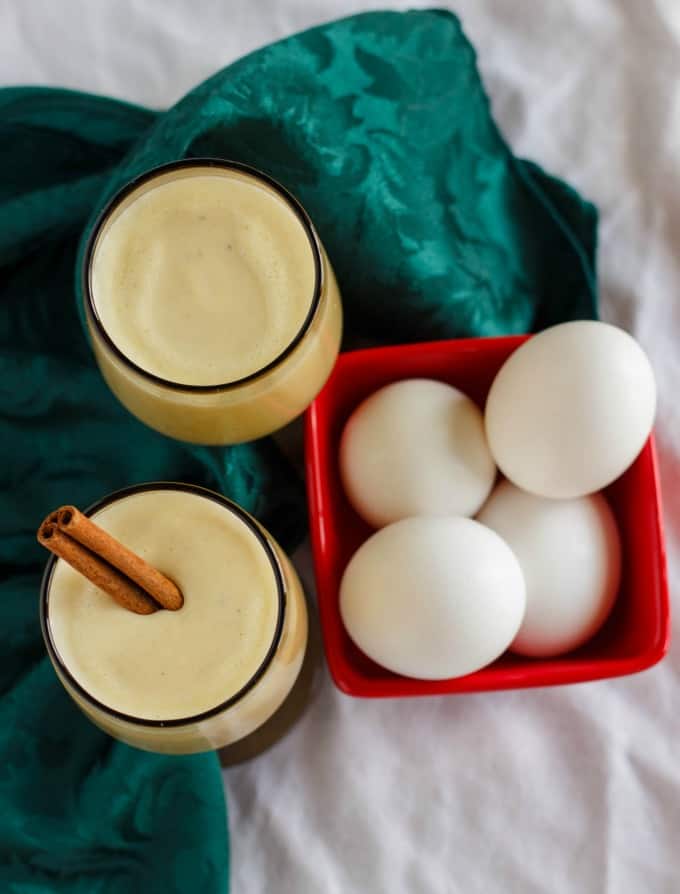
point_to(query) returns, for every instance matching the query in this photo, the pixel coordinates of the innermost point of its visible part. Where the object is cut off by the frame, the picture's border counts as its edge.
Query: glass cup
(247, 407)
(108, 658)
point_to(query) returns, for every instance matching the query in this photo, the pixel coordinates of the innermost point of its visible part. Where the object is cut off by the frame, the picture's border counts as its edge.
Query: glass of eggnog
(212, 308)
(193, 679)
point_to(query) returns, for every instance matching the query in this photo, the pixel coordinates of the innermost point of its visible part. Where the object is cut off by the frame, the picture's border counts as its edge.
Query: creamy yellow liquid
(171, 665)
(203, 279)
(180, 316)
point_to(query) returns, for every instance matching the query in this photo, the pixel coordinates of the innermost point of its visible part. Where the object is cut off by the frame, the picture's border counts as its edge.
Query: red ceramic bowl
(636, 635)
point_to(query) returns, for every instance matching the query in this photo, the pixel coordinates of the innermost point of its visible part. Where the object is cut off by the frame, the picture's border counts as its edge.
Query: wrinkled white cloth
(555, 791)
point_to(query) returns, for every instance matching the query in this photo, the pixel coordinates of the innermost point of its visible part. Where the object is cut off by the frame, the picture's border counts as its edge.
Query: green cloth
(380, 125)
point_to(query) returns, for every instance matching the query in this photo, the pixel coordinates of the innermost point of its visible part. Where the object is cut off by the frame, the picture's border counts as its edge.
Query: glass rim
(243, 516)
(203, 162)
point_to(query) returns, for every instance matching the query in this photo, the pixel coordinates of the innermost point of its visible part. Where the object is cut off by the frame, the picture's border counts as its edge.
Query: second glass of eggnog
(198, 678)
(212, 307)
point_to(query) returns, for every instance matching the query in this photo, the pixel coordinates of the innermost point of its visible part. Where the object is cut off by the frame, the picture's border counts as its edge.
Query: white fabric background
(565, 790)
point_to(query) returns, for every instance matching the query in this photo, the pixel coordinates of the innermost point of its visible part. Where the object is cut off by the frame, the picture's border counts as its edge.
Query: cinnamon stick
(99, 572)
(107, 563)
(82, 529)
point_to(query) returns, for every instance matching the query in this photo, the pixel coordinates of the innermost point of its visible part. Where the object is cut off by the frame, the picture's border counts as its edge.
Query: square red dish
(635, 636)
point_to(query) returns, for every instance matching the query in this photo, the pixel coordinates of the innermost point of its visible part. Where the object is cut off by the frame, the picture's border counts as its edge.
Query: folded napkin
(380, 125)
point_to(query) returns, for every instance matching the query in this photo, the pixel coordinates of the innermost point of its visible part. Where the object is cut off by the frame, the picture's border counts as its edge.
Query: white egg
(570, 554)
(570, 409)
(416, 447)
(433, 598)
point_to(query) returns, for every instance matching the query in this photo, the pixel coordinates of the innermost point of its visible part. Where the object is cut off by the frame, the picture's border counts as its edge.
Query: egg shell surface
(570, 555)
(571, 409)
(433, 598)
(416, 447)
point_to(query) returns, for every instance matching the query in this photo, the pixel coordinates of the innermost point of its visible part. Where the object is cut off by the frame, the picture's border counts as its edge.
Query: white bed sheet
(575, 789)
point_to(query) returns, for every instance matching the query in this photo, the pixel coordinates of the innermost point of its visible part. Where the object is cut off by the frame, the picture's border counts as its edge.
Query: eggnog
(213, 309)
(187, 680)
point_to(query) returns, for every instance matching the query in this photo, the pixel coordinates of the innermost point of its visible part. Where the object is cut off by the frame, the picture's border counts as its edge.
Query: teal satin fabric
(381, 127)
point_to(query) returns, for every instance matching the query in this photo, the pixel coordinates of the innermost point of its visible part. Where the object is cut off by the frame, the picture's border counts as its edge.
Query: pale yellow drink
(198, 678)
(213, 310)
